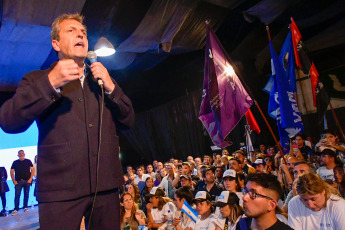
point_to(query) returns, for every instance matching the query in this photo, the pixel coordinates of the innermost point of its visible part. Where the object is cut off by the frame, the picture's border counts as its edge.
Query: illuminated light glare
(229, 70)
(103, 52)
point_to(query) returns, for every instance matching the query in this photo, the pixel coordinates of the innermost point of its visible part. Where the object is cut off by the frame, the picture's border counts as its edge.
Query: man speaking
(66, 102)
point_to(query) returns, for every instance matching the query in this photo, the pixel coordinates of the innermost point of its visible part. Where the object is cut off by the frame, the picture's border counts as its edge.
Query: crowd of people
(302, 187)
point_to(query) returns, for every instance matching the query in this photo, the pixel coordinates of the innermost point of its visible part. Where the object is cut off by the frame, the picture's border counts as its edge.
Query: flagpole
(337, 121)
(262, 114)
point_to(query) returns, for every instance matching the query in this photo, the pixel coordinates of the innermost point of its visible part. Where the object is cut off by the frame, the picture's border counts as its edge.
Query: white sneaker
(26, 209)
(15, 212)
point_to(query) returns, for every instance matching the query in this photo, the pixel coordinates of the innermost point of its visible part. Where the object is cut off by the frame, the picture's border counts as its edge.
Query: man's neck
(330, 166)
(264, 221)
(209, 186)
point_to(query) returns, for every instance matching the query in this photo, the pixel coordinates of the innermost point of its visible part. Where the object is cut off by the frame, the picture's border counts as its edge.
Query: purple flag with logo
(224, 101)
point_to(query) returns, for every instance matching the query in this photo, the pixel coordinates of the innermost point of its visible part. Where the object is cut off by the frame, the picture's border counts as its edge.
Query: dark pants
(67, 215)
(18, 189)
(3, 200)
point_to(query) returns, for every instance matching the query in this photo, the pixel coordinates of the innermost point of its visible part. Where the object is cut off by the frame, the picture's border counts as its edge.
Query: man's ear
(56, 45)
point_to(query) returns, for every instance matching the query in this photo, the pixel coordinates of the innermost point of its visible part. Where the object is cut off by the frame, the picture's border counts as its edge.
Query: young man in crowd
(207, 160)
(225, 161)
(260, 200)
(317, 206)
(235, 164)
(211, 186)
(197, 161)
(150, 172)
(328, 162)
(299, 168)
(219, 173)
(245, 168)
(260, 166)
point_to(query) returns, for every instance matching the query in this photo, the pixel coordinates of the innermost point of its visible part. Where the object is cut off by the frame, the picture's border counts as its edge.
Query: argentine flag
(186, 208)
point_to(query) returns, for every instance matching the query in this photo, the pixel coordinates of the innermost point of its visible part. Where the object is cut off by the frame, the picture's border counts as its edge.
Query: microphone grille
(91, 55)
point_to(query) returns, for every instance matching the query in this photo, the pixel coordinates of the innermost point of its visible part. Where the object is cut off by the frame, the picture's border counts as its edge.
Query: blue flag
(288, 62)
(282, 103)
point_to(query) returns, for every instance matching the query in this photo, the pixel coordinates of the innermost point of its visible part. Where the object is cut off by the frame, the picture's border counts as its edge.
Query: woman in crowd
(329, 139)
(339, 176)
(207, 219)
(146, 190)
(271, 169)
(158, 178)
(230, 209)
(231, 183)
(133, 189)
(130, 215)
(3, 189)
(159, 208)
(317, 206)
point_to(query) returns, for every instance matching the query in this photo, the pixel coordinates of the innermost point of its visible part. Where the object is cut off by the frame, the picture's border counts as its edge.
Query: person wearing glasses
(260, 200)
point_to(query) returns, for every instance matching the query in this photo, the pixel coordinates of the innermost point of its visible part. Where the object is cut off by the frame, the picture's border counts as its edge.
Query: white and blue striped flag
(186, 208)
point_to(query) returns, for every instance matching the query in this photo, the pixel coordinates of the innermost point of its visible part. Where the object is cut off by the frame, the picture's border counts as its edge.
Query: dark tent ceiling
(160, 43)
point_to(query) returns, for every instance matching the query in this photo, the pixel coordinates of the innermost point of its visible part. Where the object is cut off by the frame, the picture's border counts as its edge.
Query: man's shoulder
(279, 226)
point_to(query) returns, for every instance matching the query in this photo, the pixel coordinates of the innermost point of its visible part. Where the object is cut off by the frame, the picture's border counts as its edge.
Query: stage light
(104, 48)
(229, 70)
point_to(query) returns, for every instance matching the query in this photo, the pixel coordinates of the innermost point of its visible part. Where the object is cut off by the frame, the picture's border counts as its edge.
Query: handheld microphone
(92, 56)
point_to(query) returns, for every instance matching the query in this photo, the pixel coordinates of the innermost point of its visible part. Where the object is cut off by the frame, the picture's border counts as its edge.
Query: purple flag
(224, 101)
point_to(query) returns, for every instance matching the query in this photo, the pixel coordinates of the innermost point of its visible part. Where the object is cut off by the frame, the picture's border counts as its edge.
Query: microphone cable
(98, 153)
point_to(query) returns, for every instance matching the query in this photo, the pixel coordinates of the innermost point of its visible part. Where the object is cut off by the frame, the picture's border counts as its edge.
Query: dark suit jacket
(68, 124)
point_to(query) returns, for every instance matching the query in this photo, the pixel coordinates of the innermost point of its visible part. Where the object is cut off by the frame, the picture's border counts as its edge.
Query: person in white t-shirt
(181, 220)
(328, 160)
(317, 206)
(230, 210)
(159, 208)
(206, 219)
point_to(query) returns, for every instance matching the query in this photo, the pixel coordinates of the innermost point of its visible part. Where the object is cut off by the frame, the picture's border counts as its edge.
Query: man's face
(219, 172)
(299, 169)
(21, 155)
(129, 169)
(159, 165)
(225, 152)
(185, 169)
(290, 163)
(170, 169)
(234, 165)
(260, 168)
(258, 206)
(206, 161)
(299, 141)
(190, 158)
(149, 169)
(262, 148)
(73, 43)
(197, 161)
(140, 171)
(185, 182)
(209, 175)
(218, 158)
(325, 159)
(178, 202)
(240, 157)
(314, 202)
